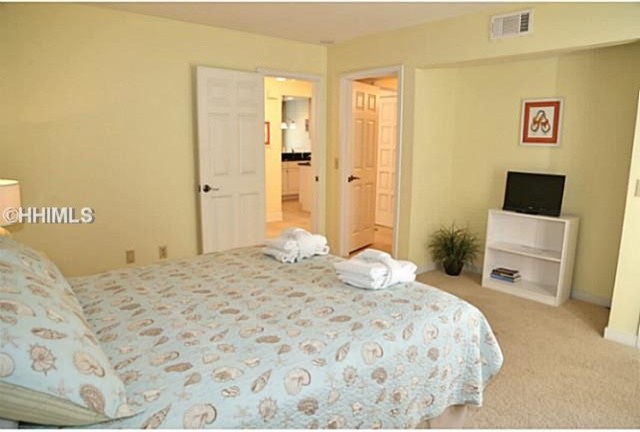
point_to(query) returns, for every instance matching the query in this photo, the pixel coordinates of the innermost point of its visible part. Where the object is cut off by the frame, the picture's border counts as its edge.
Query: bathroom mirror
(295, 124)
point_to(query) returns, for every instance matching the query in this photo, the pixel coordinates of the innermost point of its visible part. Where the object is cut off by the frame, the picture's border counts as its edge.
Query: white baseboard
(622, 337)
(590, 298)
(274, 217)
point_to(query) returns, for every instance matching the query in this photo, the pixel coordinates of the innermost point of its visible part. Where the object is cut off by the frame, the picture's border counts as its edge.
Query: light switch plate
(637, 194)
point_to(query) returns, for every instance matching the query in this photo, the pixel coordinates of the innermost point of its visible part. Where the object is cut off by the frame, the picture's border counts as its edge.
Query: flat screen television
(534, 193)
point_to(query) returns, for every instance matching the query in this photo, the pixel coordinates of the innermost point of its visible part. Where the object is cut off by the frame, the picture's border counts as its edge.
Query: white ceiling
(306, 22)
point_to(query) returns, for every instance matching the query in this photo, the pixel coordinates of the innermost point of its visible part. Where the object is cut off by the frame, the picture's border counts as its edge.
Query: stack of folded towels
(295, 244)
(374, 269)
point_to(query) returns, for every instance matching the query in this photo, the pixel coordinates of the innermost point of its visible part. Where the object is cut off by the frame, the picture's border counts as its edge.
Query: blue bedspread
(238, 340)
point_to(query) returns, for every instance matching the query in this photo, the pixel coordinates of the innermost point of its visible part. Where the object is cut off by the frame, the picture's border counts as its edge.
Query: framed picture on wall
(267, 133)
(541, 122)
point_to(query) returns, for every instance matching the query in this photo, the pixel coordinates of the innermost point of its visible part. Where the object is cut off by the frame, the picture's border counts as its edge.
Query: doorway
(370, 150)
(290, 177)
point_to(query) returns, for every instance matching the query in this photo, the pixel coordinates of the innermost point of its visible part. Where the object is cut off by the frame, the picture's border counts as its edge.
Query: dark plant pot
(453, 268)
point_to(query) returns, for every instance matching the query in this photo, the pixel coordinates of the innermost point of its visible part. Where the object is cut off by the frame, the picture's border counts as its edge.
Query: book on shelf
(510, 275)
(514, 277)
(503, 273)
(505, 278)
(506, 271)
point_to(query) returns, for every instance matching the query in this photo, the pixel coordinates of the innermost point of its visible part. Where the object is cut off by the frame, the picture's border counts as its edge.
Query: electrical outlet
(163, 252)
(130, 256)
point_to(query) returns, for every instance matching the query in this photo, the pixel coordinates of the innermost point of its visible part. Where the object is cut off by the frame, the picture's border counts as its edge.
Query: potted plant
(453, 247)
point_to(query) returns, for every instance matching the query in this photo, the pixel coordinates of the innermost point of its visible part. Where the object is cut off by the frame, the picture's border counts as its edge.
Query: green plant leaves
(453, 244)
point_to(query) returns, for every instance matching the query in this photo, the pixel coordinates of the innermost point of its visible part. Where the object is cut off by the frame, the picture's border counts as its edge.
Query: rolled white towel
(376, 283)
(372, 255)
(362, 281)
(306, 243)
(374, 269)
(296, 244)
(321, 246)
(280, 255)
(362, 268)
(291, 232)
(384, 265)
(406, 273)
(284, 244)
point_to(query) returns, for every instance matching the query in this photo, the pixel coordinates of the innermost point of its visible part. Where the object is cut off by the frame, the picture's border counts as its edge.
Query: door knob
(207, 188)
(352, 178)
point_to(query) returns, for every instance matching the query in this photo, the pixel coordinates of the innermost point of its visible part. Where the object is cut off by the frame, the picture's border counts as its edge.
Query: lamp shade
(9, 198)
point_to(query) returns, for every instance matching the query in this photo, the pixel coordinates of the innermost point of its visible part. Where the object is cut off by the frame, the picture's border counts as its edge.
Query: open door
(363, 165)
(386, 184)
(231, 158)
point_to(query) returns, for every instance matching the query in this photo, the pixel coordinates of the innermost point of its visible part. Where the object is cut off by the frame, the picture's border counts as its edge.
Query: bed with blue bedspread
(238, 340)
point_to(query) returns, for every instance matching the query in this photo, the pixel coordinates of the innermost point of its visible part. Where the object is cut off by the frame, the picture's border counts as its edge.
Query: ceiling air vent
(511, 24)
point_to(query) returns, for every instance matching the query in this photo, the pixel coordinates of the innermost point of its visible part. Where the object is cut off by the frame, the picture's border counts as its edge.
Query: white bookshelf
(541, 248)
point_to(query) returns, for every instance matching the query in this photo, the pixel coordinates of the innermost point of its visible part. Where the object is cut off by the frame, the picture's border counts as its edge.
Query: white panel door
(386, 185)
(231, 158)
(362, 158)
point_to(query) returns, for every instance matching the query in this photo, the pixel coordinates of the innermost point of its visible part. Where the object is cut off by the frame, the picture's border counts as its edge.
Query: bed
(237, 340)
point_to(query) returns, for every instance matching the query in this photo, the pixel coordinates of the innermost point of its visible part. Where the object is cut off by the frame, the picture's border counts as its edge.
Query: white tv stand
(542, 248)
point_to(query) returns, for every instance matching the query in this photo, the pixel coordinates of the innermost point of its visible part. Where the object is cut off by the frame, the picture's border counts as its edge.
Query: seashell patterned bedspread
(238, 340)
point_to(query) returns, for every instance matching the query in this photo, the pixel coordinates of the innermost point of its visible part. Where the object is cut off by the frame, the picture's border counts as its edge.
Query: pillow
(52, 369)
(13, 252)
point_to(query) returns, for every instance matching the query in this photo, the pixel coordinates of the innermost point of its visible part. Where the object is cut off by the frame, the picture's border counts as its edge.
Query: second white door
(386, 184)
(363, 167)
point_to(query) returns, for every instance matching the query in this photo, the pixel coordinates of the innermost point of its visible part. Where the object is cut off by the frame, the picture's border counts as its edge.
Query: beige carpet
(558, 371)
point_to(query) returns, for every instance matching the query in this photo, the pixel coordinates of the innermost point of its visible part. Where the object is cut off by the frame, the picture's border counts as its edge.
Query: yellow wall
(435, 130)
(98, 110)
(600, 94)
(558, 28)
(625, 309)
(274, 90)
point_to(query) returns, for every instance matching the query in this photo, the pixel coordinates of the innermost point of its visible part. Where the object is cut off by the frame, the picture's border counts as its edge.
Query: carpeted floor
(559, 372)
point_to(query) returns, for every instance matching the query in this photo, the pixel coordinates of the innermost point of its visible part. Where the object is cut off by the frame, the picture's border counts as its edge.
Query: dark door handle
(206, 188)
(352, 178)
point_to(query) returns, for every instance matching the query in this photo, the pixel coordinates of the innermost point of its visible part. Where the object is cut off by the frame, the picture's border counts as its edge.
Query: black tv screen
(534, 193)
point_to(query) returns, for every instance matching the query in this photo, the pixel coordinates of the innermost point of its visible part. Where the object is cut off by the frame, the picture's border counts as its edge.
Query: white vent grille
(511, 24)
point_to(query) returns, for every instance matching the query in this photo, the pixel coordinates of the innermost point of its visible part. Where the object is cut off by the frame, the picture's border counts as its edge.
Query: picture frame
(267, 133)
(541, 122)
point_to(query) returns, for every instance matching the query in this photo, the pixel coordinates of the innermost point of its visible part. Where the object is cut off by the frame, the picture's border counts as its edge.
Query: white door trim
(318, 144)
(345, 138)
